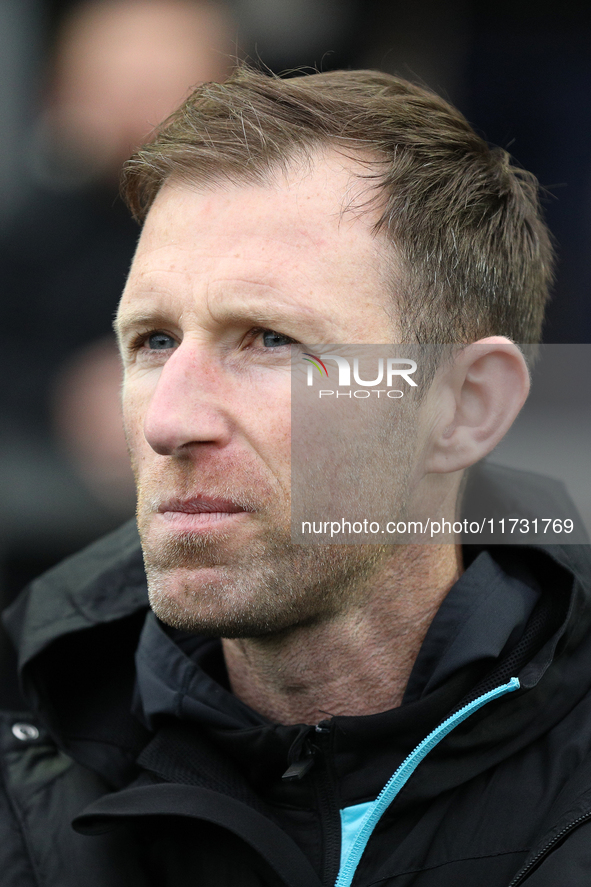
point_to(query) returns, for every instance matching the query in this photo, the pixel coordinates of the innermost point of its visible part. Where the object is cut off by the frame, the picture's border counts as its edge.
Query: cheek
(280, 450)
(134, 404)
(263, 413)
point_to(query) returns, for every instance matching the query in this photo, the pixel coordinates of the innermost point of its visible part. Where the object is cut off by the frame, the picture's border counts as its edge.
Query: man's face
(223, 281)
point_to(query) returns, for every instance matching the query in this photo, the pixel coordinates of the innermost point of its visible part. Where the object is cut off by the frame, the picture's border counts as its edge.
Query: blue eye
(271, 339)
(160, 342)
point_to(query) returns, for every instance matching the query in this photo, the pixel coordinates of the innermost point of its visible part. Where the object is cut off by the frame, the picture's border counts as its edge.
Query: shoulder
(41, 790)
(100, 584)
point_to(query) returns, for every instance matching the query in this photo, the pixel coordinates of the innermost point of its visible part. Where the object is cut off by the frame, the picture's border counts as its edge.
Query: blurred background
(83, 83)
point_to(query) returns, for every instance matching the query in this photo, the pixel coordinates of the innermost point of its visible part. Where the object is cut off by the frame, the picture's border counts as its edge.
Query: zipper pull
(299, 769)
(301, 756)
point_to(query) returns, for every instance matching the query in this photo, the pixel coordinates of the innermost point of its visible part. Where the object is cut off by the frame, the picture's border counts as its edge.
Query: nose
(187, 405)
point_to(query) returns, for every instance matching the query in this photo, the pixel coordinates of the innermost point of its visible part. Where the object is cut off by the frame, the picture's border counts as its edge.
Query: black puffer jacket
(191, 788)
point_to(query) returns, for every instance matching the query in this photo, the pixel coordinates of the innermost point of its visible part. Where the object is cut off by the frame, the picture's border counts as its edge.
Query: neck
(359, 661)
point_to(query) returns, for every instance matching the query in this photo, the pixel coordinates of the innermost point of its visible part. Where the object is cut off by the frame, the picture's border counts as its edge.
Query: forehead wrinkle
(221, 299)
(147, 297)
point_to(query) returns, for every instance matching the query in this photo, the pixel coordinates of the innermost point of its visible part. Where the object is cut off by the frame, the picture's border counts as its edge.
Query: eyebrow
(262, 318)
(131, 320)
(134, 318)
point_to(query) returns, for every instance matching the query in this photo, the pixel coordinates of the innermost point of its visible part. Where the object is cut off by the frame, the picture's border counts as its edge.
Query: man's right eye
(160, 342)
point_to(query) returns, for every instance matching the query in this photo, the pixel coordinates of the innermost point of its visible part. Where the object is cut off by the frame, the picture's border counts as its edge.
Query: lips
(200, 505)
(200, 515)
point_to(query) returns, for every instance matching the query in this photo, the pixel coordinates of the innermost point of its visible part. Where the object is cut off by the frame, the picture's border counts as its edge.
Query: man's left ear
(478, 397)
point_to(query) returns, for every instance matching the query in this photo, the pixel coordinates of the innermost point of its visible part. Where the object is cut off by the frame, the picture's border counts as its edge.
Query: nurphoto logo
(389, 371)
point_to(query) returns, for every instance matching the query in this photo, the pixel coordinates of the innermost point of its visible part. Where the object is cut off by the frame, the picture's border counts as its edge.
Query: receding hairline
(258, 132)
(362, 163)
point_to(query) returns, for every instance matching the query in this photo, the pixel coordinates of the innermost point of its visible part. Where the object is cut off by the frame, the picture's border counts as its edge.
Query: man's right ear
(477, 397)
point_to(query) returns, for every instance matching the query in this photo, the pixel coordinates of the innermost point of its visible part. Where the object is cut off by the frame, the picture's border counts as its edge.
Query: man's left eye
(271, 339)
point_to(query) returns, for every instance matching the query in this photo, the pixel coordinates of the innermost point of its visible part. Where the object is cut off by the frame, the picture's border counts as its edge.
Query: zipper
(405, 771)
(545, 851)
(328, 804)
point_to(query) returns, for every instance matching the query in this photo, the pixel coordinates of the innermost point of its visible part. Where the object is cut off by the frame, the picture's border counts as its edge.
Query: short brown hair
(465, 223)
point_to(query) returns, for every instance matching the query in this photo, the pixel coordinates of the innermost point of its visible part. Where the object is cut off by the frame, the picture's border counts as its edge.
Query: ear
(477, 399)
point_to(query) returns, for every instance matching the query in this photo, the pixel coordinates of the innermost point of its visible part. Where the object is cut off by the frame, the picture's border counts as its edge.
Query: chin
(264, 589)
(210, 602)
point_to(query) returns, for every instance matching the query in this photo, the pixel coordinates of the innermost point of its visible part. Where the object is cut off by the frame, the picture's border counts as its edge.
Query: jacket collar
(493, 625)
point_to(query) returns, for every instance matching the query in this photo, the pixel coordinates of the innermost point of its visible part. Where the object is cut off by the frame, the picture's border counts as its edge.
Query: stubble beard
(265, 588)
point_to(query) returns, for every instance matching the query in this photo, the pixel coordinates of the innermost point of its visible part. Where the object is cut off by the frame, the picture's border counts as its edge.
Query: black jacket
(170, 780)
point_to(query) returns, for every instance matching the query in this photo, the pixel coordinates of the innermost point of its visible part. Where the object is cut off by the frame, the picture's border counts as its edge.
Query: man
(347, 207)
